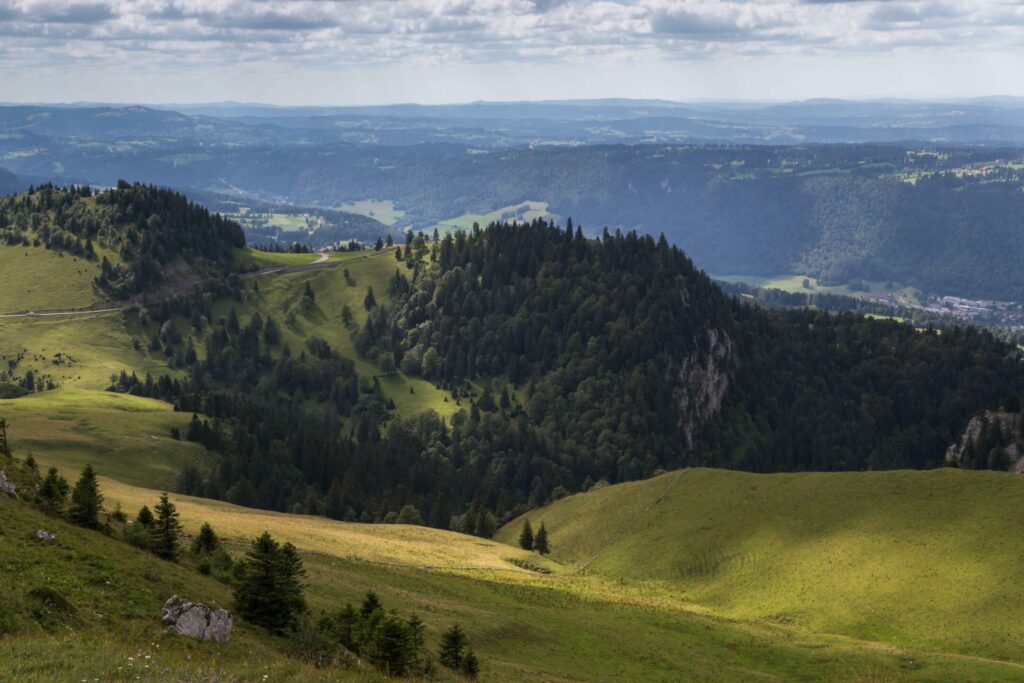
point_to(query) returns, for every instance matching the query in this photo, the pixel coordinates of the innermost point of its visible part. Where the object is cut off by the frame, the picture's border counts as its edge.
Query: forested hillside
(570, 361)
(134, 231)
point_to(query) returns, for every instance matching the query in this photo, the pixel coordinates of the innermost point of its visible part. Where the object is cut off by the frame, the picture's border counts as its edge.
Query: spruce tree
(53, 492)
(470, 665)
(291, 573)
(453, 645)
(540, 543)
(145, 517)
(164, 533)
(86, 500)
(370, 301)
(526, 536)
(206, 541)
(269, 589)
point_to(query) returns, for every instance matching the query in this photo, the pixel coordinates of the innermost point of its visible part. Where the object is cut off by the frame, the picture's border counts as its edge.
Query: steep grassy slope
(109, 627)
(921, 559)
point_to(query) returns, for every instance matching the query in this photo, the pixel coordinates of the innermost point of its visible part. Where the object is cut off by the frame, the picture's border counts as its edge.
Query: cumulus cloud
(339, 34)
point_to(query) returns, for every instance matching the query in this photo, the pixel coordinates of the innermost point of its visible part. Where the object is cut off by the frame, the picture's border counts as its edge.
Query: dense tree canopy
(575, 361)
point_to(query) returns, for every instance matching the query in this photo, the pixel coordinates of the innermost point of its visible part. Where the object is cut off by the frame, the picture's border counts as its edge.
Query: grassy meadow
(792, 283)
(68, 280)
(916, 559)
(533, 209)
(381, 209)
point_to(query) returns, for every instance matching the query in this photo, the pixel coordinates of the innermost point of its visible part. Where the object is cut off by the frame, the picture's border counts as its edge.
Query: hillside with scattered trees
(138, 233)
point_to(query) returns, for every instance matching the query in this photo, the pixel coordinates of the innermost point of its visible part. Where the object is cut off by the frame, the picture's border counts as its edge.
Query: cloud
(329, 35)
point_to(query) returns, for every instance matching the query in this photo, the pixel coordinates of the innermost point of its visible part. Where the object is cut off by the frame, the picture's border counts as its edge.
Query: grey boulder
(196, 620)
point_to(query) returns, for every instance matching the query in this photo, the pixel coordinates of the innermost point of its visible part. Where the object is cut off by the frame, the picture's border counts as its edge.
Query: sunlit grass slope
(109, 629)
(920, 559)
(125, 437)
(524, 626)
(91, 348)
(34, 278)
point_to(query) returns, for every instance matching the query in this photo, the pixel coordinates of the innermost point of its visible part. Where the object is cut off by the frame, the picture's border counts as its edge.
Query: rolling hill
(917, 559)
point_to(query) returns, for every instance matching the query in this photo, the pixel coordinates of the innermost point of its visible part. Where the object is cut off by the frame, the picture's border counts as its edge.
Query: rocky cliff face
(702, 382)
(1008, 426)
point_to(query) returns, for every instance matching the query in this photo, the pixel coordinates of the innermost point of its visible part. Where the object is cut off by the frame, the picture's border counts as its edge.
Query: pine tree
(371, 603)
(540, 543)
(86, 500)
(370, 301)
(453, 645)
(269, 589)
(526, 536)
(206, 541)
(145, 517)
(470, 665)
(53, 492)
(291, 571)
(164, 533)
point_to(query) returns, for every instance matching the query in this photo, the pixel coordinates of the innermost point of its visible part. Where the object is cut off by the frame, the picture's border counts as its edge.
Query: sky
(340, 52)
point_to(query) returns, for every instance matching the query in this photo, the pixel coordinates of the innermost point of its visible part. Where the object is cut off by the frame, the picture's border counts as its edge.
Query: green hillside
(87, 607)
(524, 626)
(68, 282)
(918, 559)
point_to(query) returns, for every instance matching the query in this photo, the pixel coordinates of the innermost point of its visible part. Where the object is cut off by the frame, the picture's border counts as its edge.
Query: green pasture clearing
(789, 282)
(523, 211)
(281, 297)
(381, 209)
(91, 348)
(917, 559)
(33, 278)
(123, 436)
(247, 256)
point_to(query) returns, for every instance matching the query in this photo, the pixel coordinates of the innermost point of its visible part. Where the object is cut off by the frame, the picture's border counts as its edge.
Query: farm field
(381, 209)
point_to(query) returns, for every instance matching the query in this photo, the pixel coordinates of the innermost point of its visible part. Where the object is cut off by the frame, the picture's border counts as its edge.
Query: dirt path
(69, 311)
